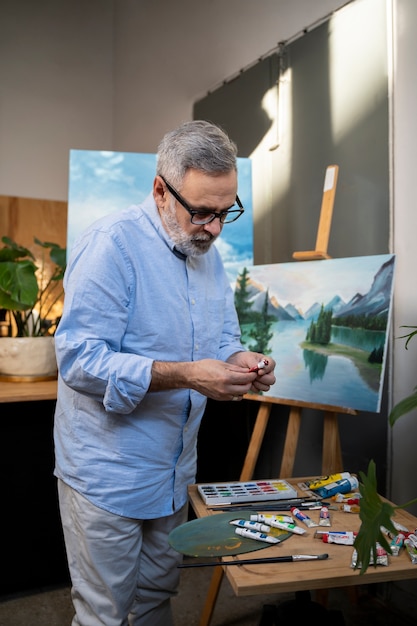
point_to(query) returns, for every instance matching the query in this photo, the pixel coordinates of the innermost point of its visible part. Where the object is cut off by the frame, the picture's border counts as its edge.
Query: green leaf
(57, 255)
(18, 285)
(374, 514)
(408, 336)
(12, 251)
(404, 406)
(27, 285)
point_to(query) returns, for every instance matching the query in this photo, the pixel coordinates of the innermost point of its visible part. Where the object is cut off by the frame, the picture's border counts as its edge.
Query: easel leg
(332, 452)
(256, 439)
(291, 440)
(252, 454)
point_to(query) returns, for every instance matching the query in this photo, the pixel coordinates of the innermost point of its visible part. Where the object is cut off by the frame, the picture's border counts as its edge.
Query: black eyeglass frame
(211, 215)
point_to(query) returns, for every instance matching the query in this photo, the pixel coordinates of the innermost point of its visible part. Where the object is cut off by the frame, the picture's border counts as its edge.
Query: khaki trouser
(123, 571)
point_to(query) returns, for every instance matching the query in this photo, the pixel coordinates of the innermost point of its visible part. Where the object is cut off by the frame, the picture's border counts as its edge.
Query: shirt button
(193, 302)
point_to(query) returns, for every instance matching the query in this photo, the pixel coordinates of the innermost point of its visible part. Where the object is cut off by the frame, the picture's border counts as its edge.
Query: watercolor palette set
(248, 491)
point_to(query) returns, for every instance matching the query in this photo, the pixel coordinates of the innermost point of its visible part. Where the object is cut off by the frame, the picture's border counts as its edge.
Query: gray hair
(199, 145)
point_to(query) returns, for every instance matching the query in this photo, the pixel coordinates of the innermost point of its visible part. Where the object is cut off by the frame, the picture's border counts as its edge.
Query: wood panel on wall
(23, 219)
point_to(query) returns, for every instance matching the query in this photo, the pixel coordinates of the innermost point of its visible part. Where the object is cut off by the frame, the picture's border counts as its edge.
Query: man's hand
(215, 379)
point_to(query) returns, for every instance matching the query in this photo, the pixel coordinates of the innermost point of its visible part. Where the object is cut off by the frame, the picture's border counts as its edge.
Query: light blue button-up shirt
(129, 300)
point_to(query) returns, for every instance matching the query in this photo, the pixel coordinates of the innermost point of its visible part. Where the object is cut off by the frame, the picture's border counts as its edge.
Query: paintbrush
(272, 559)
(269, 506)
(277, 502)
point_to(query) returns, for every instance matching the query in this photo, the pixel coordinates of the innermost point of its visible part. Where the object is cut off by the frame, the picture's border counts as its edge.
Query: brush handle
(277, 505)
(273, 559)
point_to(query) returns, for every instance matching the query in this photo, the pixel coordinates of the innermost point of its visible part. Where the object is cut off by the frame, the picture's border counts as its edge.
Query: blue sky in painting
(101, 182)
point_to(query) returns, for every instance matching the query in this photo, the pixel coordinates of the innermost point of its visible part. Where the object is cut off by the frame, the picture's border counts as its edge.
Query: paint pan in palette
(249, 491)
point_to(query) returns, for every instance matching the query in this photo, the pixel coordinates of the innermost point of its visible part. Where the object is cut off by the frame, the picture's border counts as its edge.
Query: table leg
(246, 474)
(213, 592)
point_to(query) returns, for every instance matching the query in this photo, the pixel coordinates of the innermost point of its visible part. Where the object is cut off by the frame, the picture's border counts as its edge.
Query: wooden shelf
(28, 391)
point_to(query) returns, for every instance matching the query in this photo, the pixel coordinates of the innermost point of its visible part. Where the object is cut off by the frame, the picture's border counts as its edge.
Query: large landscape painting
(325, 323)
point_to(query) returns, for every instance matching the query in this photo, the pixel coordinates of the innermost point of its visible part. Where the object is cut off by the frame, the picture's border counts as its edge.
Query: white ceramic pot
(27, 358)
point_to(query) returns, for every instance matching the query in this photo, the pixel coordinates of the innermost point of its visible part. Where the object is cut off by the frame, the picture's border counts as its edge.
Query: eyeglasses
(200, 217)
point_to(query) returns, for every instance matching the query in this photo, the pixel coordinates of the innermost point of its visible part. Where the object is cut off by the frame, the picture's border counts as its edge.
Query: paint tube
(258, 536)
(345, 539)
(265, 518)
(324, 519)
(303, 517)
(283, 522)
(291, 528)
(396, 544)
(350, 508)
(326, 480)
(345, 485)
(410, 544)
(400, 527)
(263, 363)
(381, 557)
(319, 533)
(250, 524)
(346, 498)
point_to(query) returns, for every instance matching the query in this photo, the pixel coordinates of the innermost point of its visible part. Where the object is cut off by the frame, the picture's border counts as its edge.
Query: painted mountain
(326, 325)
(376, 301)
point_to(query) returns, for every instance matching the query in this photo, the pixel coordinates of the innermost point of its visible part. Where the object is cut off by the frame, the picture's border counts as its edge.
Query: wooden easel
(325, 221)
(331, 453)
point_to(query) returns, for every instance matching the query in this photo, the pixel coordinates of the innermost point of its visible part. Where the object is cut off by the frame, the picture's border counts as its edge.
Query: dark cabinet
(33, 553)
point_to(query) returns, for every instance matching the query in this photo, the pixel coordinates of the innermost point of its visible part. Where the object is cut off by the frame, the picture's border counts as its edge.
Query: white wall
(404, 432)
(171, 54)
(56, 90)
(116, 74)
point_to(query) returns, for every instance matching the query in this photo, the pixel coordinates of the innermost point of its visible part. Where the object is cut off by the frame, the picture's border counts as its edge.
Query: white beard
(190, 245)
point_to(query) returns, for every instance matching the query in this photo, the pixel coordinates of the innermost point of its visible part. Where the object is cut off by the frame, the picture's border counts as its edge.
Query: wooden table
(336, 571)
(28, 391)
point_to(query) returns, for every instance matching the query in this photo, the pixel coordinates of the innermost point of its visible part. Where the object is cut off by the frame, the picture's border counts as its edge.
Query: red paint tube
(346, 539)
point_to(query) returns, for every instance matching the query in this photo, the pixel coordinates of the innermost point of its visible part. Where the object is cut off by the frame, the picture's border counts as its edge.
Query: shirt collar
(178, 254)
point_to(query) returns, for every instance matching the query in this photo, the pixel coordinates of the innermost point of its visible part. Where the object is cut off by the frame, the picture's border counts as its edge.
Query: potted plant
(29, 294)
(375, 513)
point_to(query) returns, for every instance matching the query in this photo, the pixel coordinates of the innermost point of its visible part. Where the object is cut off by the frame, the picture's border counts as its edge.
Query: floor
(52, 607)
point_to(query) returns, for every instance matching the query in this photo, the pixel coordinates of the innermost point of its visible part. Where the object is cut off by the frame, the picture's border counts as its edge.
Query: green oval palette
(215, 536)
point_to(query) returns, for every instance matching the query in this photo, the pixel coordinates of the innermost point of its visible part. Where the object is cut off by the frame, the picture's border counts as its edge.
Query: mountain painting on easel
(325, 323)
